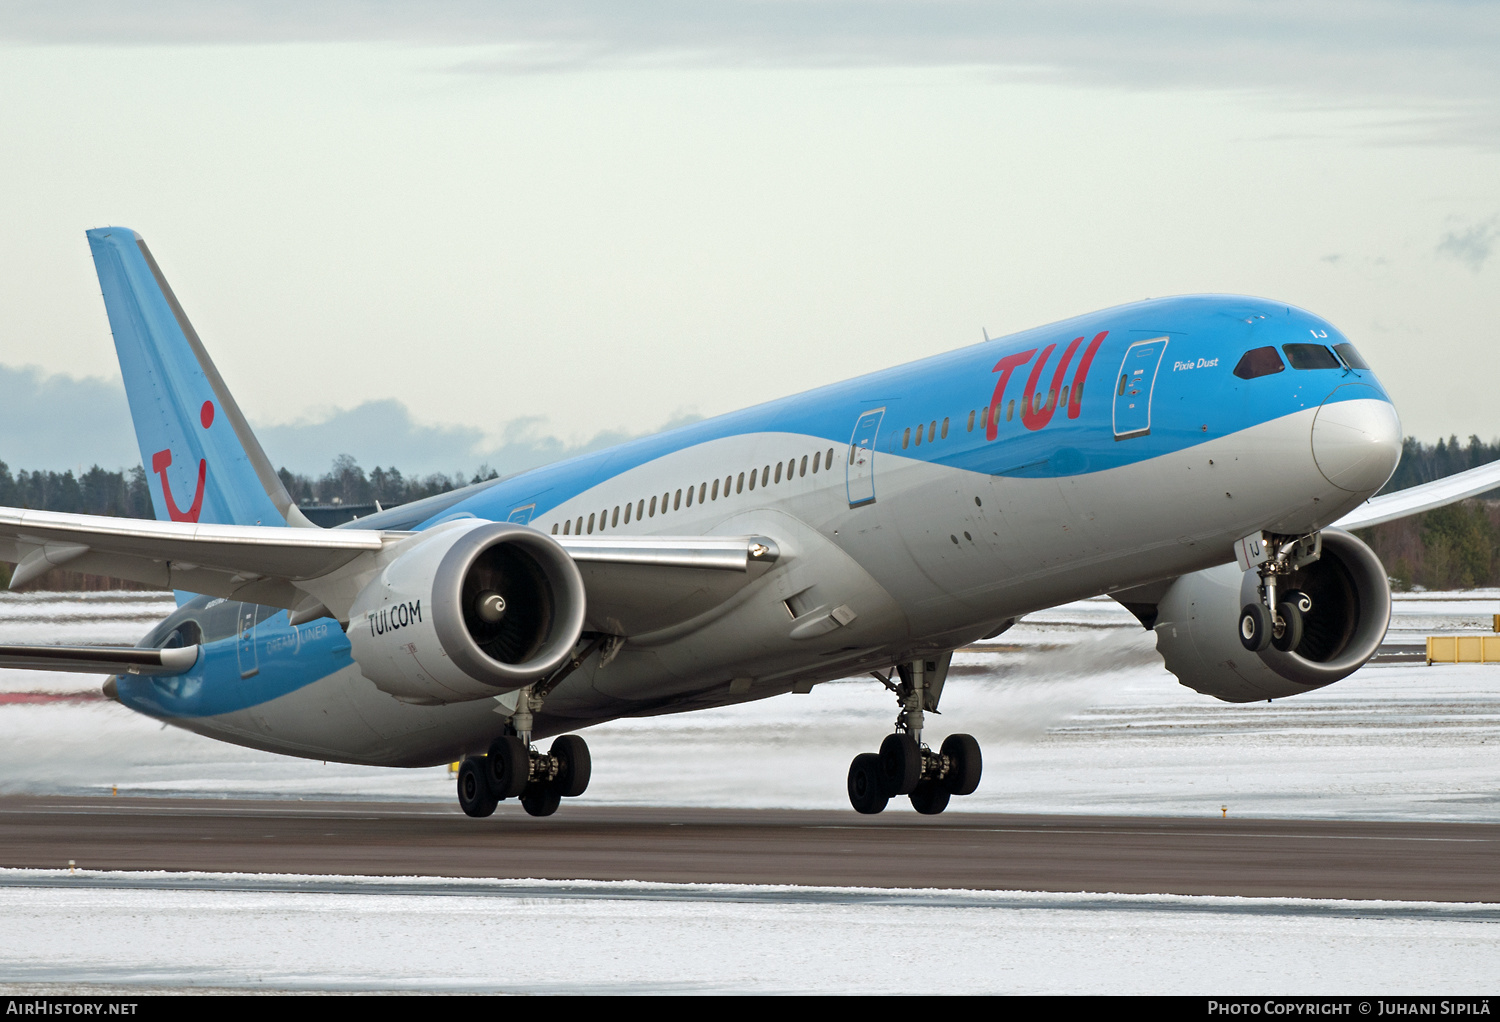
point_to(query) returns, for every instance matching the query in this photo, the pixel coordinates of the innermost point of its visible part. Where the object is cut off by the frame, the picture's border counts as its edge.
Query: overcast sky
(455, 232)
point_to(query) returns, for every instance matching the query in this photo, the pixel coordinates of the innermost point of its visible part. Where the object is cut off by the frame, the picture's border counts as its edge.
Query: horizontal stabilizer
(100, 659)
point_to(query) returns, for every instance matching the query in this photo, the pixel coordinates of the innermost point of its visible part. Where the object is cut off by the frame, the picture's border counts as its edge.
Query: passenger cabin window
(1351, 357)
(1310, 356)
(1258, 362)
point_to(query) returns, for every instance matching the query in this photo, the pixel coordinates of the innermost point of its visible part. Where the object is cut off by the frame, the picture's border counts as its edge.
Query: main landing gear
(515, 770)
(904, 766)
(1277, 618)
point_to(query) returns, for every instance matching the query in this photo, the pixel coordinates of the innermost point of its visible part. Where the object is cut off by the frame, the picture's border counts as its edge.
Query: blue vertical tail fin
(202, 461)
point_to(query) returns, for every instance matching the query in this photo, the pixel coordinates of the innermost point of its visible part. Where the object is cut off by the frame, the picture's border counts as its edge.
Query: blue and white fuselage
(917, 509)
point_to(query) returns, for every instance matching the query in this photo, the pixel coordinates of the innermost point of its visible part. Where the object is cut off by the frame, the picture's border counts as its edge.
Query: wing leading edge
(1416, 499)
(634, 584)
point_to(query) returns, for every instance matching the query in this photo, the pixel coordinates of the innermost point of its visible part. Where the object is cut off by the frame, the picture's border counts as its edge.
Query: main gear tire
(930, 798)
(965, 764)
(866, 788)
(510, 766)
(541, 798)
(475, 797)
(900, 764)
(573, 765)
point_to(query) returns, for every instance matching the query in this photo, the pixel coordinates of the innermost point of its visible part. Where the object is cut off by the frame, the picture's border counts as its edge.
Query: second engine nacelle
(472, 610)
(1197, 625)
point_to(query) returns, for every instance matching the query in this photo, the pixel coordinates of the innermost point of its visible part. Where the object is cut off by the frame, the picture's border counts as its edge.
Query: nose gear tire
(1289, 635)
(1255, 627)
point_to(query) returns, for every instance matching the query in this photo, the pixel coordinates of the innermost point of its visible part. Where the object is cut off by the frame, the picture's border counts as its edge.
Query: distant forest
(124, 494)
(1456, 547)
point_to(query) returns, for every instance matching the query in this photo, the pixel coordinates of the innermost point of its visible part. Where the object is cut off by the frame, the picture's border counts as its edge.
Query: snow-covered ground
(1075, 713)
(1073, 709)
(293, 933)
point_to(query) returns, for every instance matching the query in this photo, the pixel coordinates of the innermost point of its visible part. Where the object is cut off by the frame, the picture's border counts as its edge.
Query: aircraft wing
(249, 562)
(1416, 499)
(100, 659)
(635, 584)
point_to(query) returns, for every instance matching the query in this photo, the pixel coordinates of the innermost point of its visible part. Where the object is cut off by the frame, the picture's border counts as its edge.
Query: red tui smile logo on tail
(162, 460)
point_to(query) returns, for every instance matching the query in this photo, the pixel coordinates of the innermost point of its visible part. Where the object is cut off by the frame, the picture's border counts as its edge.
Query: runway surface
(1403, 861)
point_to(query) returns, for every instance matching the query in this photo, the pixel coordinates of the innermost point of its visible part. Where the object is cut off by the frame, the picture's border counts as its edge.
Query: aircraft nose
(1356, 438)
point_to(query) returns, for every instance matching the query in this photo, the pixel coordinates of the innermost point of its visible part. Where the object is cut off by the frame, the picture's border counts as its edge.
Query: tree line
(125, 493)
(1455, 547)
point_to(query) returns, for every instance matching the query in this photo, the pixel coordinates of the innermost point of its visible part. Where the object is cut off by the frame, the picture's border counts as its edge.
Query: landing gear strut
(1276, 619)
(513, 768)
(904, 766)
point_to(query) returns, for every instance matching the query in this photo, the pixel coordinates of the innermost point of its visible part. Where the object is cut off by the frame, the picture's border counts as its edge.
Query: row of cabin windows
(913, 436)
(704, 492)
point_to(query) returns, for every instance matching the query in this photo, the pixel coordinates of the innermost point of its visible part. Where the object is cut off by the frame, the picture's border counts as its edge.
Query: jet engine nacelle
(472, 611)
(1197, 620)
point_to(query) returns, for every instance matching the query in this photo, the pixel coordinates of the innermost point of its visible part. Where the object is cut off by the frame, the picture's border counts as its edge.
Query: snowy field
(1075, 714)
(329, 933)
(1073, 709)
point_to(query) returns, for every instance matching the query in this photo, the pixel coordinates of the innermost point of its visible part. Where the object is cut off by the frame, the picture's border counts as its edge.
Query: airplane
(1199, 459)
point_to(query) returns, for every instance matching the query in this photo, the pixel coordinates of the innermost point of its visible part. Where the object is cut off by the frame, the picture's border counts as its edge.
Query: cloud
(1433, 58)
(59, 422)
(1472, 245)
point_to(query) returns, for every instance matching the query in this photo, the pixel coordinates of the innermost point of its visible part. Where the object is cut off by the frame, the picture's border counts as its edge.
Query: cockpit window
(1310, 356)
(1350, 356)
(1258, 362)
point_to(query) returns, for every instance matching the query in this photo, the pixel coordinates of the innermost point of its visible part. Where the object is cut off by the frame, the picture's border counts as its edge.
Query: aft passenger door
(1133, 388)
(859, 473)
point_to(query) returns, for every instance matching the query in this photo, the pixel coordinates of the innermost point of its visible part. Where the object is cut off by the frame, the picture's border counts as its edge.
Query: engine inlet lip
(569, 596)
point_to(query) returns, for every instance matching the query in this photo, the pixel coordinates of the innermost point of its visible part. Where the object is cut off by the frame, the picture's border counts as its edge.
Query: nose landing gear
(1275, 620)
(904, 766)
